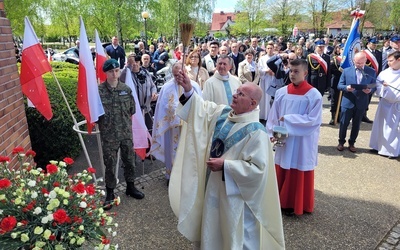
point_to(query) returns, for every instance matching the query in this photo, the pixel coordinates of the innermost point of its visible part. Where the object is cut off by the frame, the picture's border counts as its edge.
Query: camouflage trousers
(110, 157)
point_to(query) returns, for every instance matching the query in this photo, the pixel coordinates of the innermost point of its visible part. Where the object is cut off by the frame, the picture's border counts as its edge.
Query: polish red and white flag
(34, 64)
(88, 98)
(101, 57)
(141, 135)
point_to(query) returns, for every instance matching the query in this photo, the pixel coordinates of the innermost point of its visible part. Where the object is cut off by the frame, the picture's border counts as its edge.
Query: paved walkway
(357, 202)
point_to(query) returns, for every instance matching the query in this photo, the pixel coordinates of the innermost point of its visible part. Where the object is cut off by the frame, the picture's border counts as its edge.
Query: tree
(320, 12)
(251, 20)
(284, 14)
(16, 10)
(64, 16)
(395, 15)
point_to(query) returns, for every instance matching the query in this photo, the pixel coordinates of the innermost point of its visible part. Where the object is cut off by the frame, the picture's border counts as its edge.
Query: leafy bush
(56, 139)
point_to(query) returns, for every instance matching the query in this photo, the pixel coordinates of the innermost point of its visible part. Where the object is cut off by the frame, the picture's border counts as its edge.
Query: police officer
(319, 75)
(116, 131)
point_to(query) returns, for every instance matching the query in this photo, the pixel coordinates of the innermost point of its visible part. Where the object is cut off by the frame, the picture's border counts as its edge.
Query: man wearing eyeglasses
(225, 167)
(210, 60)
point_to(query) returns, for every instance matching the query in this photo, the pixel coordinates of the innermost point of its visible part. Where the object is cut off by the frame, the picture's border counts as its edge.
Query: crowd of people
(215, 118)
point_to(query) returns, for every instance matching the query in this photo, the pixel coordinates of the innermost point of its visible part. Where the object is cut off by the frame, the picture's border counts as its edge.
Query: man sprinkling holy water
(223, 185)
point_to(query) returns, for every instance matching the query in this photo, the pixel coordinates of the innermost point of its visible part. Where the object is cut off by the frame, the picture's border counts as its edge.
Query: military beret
(320, 42)
(373, 40)
(395, 38)
(110, 64)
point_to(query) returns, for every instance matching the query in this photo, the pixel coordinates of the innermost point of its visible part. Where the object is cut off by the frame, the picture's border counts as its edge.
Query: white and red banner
(101, 57)
(371, 57)
(88, 98)
(321, 61)
(34, 64)
(141, 135)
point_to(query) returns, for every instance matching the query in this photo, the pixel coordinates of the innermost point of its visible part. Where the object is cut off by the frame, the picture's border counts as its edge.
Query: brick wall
(13, 125)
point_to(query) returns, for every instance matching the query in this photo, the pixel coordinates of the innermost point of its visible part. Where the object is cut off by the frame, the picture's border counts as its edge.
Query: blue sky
(225, 5)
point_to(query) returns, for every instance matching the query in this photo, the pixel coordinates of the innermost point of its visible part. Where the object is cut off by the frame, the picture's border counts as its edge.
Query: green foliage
(395, 14)
(219, 35)
(56, 139)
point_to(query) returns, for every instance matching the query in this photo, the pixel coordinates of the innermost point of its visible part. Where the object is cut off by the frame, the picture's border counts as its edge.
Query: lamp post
(145, 15)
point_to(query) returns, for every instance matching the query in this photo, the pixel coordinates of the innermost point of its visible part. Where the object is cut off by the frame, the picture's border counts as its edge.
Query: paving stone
(391, 240)
(386, 246)
(395, 235)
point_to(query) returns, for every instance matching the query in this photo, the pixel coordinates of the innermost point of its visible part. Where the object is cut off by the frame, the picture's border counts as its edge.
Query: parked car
(71, 55)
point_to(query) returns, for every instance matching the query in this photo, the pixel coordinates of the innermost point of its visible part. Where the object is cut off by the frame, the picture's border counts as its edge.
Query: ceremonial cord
(310, 62)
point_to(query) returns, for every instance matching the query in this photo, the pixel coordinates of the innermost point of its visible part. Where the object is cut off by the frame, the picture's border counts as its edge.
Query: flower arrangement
(49, 209)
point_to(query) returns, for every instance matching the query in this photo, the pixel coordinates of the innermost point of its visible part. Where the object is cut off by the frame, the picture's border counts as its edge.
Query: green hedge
(55, 139)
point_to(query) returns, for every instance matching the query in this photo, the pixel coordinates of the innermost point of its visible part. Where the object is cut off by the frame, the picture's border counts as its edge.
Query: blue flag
(352, 45)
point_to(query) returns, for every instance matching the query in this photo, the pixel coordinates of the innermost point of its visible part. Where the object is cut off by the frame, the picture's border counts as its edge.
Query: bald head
(360, 59)
(246, 98)
(254, 91)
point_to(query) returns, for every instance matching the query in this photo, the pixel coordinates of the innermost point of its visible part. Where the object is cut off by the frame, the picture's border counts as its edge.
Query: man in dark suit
(256, 48)
(354, 84)
(236, 56)
(374, 60)
(319, 69)
(115, 51)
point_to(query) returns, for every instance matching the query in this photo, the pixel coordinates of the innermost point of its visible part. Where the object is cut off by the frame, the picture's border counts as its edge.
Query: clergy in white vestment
(223, 185)
(167, 125)
(385, 135)
(298, 108)
(267, 76)
(220, 87)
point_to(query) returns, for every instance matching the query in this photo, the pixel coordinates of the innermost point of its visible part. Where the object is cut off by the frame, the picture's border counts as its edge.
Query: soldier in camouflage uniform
(116, 131)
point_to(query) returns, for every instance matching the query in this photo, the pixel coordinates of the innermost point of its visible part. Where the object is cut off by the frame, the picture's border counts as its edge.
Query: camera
(141, 76)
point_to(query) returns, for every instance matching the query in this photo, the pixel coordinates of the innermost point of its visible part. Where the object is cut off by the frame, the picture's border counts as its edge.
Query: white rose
(31, 183)
(38, 210)
(82, 204)
(34, 195)
(45, 220)
(52, 194)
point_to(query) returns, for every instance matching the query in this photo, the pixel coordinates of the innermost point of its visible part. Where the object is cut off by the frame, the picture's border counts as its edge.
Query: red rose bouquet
(50, 209)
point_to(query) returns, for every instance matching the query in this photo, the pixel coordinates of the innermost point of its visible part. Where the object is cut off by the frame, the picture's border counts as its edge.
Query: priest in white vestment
(167, 125)
(385, 135)
(220, 87)
(298, 108)
(223, 185)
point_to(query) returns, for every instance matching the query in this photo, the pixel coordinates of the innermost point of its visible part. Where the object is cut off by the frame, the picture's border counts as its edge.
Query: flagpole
(338, 107)
(76, 128)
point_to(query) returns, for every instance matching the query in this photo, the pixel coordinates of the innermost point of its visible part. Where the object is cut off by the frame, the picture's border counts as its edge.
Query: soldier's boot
(110, 196)
(132, 191)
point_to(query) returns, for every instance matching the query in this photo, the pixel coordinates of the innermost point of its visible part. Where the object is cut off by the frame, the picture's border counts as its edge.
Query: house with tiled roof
(343, 27)
(221, 20)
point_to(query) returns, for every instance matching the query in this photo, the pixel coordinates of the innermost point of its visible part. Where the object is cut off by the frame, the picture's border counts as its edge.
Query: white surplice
(167, 125)
(242, 212)
(265, 82)
(302, 119)
(385, 135)
(214, 90)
